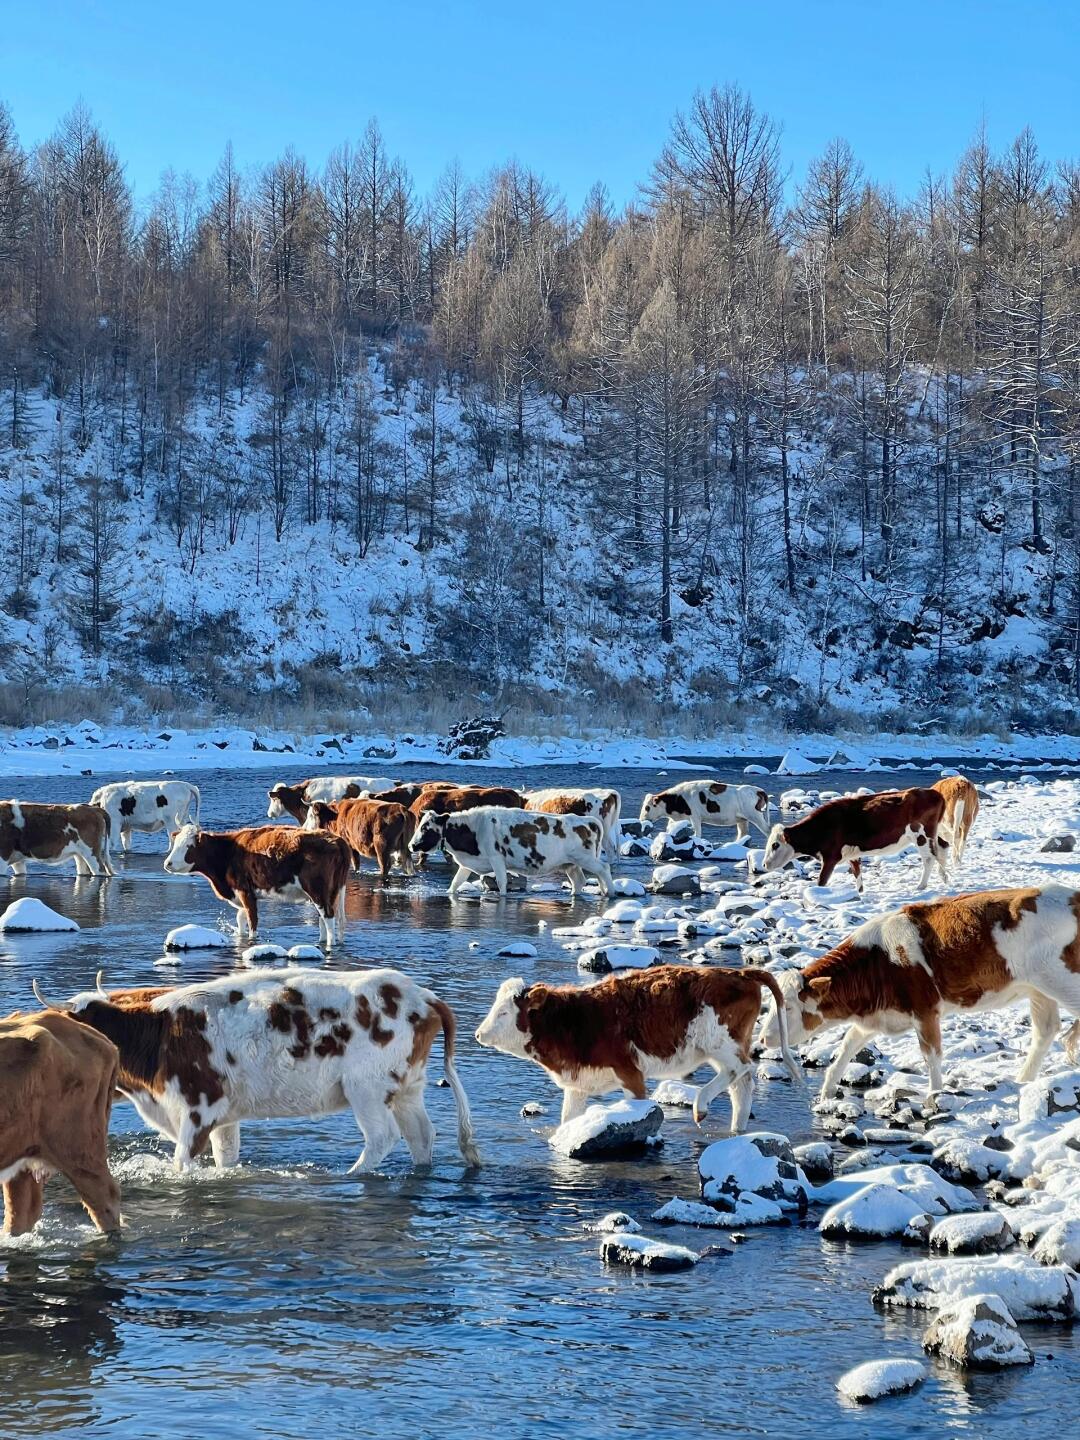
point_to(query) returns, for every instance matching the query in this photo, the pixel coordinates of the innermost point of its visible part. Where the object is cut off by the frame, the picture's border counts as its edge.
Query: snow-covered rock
(874, 1212)
(935, 1195)
(875, 1379)
(985, 1234)
(30, 916)
(760, 1163)
(674, 880)
(795, 763)
(1050, 1095)
(691, 1212)
(1059, 1244)
(620, 1127)
(263, 951)
(600, 959)
(1031, 1291)
(965, 1160)
(614, 1220)
(624, 885)
(196, 937)
(675, 1092)
(306, 953)
(816, 1160)
(978, 1333)
(517, 950)
(640, 1253)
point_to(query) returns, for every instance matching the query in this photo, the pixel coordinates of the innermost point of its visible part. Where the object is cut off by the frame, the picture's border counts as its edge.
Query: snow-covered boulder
(936, 1195)
(619, 1128)
(872, 1213)
(985, 1234)
(600, 959)
(623, 885)
(691, 1212)
(1050, 1095)
(196, 937)
(265, 950)
(674, 880)
(517, 950)
(614, 1220)
(760, 1163)
(816, 1160)
(1059, 1244)
(964, 1160)
(875, 1379)
(306, 953)
(1031, 1291)
(675, 1092)
(624, 912)
(640, 1253)
(1059, 844)
(28, 916)
(979, 1333)
(795, 763)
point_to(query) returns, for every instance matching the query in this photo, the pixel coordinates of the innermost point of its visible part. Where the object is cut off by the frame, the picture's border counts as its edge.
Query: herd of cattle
(198, 1060)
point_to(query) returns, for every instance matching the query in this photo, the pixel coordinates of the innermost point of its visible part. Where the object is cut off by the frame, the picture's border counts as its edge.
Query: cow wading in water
(708, 802)
(498, 841)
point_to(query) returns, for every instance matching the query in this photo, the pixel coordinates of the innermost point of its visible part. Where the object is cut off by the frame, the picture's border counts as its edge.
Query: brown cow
(378, 829)
(858, 825)
(53, 834)
(660, 1022)
(404, 792)
(448, 800)
(961, 808)
(294, 799)
(56, 1090)
(274, 860)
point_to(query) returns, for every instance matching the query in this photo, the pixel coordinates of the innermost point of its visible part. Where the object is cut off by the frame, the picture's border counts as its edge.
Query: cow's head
(499, 1029)
(276, 809)
(319, 816)
(428, 835)
(778, 849)
(652, 810)
(181, 857)
(802, 1006)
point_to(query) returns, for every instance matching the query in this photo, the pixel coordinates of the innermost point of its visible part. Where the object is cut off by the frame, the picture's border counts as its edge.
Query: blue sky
(577, 91)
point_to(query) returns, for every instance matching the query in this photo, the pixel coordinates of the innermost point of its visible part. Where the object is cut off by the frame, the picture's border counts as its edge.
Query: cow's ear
(821, 986)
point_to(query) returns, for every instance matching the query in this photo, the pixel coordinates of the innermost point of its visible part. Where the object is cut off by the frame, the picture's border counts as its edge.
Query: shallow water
(284, 1298)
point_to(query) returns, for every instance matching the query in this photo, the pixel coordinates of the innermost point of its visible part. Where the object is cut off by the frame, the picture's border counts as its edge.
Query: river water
(286, 1299)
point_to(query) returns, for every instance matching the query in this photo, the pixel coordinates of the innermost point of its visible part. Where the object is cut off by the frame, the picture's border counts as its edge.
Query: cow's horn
(46, 1004)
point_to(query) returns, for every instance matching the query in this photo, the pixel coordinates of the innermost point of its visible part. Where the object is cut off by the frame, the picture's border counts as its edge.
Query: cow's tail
(198, 804)
(466, 1133)
(763, 977)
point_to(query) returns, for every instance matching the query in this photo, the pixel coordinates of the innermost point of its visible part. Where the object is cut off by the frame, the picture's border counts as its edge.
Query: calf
(198, 1060)
(646, 1025)
(496, 840)
(859, 825)
(904, 970)
(53, 834)
(56, 1091)
(273, 860)
(444, 799)
(378, 829)
(961, 807)
(294, 799)
(708, 802)
(602, 805)
(147, 806)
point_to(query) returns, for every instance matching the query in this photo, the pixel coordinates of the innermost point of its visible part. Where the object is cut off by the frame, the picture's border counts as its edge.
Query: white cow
(602, 805)
(709, 802)
(496, 840)
(147, 806)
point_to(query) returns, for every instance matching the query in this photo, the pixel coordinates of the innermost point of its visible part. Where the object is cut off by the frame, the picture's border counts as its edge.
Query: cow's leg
(940, 850)
(24, 1197)
(415, 1124)
(573, 1104)
(99, 1193)
(81, 856)
(926, 854)
(855, 866)
(1071, 1041)
(724, 1079)
(1045, 1023)
(852, 1042)
(125, 839)
(459, 879)
(247, 909)
(103, 858)
(928, 1032)
(695, 821)
(602, 871)
(576, 877)
(742, 829)
(376, 1122)
(225, 1145)
(741, 1093)
(384, 859)
(828, 865)
(339, 915)
(17, 867)
(498, 870)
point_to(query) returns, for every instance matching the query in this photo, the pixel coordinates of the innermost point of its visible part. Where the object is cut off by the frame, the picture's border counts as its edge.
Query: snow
(873, 1211)
(196, 937)
(972, 1234)
(306, 952)
(760, 1163)
(1031, 1291)
(641, 1253)
(979, 1333)
(876, 1378)
(265, 950)
(603, 1128)
(617, 957)
(794, 763)
(517, 950)
(920, 1184)
(30, 916)
(615, 1220)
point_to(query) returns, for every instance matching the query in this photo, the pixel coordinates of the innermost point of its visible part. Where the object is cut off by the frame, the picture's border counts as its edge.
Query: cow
(603, 805)
(294, 800)
(961, 808)
(662, 1022)
(53, 834)
(855, 826)
(272, 860)
(708, 802)
(147, 806)
(445, 799)
(905, 970)
(56, 1091)
(200, 1059)
(404, 792)
(498, 840)
(378, 829)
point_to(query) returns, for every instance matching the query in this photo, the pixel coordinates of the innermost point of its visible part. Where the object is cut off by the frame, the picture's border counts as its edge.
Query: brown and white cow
(663, 1022)
(53, 834)
(498, 841)
(295, 799)
(271, 860)
(404, 792)
(198, 1060)
(708, 802)
(905, 970)
(855, 826)
(378, 829)
(442, 799)
(961, 807)
(56, 1091)
(602, 805)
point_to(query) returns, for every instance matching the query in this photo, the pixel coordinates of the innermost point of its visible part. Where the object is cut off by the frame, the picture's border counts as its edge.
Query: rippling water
(284, 1298)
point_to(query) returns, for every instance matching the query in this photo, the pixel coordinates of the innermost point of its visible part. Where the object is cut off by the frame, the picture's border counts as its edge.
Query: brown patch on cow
(196, 1119)
(673, 803)
(585, 833)
(1070, 956)
(363, 1012)
(461, 837)
(762, 802)
(187, 1058)
(292, 996)
(390, 996)
(230, 1058)
(425, 1028)
(446, 799)
(378, 1033)
(327, 1012)
(334, 1041)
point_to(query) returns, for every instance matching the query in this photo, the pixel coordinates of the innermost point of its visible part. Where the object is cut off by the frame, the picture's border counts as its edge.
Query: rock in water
(266, 950)
(1059, 1244)
(615, 1220)
(972, 1234)
(1031, 1291)
(306, 952)
(625, 1127)
(602, 959)
(978, 1333)
(196, 937)
(878, 1378)
(816, 1160)
(761, 1164)
(872, 1213)
(517, 950)
(29, 916)
(674, 880)
(641, 1253)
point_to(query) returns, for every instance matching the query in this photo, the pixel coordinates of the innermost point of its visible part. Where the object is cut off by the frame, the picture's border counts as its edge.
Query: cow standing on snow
(56, 1091)
(53, 834)
(855, 826)
(271, 860)
(499, 841)
(663, 1022)
(905, 970)
(198, 1060)
(708, 802)
(961, 807)
(147, 806)
(294, 800)
(602, 805)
